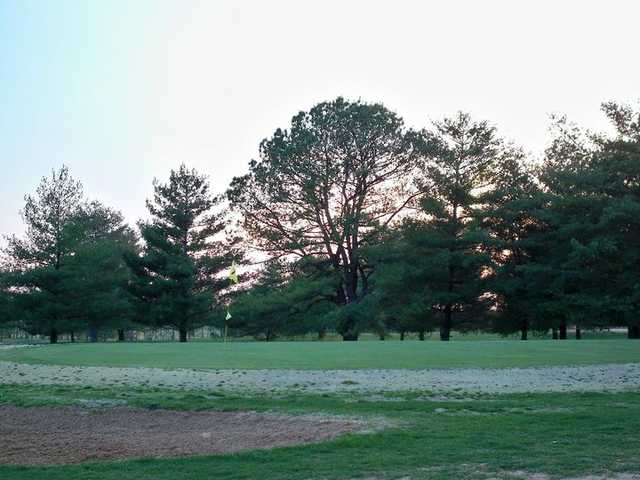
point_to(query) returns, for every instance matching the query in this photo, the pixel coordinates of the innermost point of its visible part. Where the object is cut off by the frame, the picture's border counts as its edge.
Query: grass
(476, 438)
(333, 355)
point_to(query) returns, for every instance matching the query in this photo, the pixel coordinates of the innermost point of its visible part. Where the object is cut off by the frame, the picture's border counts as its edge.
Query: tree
(324, 188)
(511, 218)
(602, 177)
(401, 299)
(176, 278)
(68, 273)
(6, 301)
(284, 300)
(263, 311)
(36, 260)
(586, 271)
(590, 182)
(98, 273)
(445, 240)
(619, 158)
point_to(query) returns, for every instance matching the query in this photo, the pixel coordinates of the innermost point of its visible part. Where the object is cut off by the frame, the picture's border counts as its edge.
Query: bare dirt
(64, 435)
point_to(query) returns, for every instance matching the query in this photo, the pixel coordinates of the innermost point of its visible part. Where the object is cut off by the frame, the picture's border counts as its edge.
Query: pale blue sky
(123, 90)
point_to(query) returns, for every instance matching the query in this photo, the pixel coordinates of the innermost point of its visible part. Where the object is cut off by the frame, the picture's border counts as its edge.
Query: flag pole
(233, 277)
(226, 325)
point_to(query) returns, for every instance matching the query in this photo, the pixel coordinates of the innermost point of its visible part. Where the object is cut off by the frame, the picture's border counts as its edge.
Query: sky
(122, 91)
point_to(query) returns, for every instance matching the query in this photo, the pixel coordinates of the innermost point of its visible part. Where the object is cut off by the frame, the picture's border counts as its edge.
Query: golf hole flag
(233, 276)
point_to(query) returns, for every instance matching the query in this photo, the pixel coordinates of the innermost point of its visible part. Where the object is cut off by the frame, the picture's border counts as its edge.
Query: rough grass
(477, 437)
(333, 355)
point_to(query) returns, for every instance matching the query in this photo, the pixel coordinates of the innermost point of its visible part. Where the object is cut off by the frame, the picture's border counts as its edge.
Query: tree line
(348, 221)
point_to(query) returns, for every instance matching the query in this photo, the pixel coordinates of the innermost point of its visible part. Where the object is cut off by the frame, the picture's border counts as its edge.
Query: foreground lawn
(333, 355)
(477, 438)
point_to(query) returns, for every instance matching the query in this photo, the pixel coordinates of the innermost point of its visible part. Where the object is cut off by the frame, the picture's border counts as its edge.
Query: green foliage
(6, 299)
(67, 274)
(46, 216)
(286, 299)
(440, 247)
(98, 274)
(326, 187)
(176, 278)
(511, 218)
(589, 274)
(366, 226)
(506, 246)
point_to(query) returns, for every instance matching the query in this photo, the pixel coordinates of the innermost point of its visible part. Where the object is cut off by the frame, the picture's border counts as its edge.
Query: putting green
(333, 355)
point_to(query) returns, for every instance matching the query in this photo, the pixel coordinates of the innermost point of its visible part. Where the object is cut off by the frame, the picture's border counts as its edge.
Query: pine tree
(592, 204)
(286, 298)
(68, 273)
(446, 239)
(98, 274)
(176, 278)
(614, 257)
(325, 187)
(509, 216)
(37, 259)
(400, 285)
(6, 301)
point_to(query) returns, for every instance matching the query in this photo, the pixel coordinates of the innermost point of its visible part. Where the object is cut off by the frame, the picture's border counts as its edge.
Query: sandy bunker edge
(75, 434)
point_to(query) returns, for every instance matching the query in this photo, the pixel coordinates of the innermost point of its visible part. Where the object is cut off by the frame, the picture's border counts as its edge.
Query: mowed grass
(564, 435)
(333, 355)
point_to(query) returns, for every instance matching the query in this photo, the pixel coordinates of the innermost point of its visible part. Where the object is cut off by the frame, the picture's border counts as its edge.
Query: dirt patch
(62, 435)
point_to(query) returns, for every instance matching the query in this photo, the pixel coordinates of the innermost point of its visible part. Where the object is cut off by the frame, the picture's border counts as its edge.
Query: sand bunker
(62, 435)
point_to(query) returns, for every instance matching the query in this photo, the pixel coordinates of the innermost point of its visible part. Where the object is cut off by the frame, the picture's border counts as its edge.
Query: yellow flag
(233, 275)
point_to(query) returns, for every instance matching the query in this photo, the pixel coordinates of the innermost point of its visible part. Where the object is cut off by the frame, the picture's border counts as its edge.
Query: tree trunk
(524, 330)
(121, 335)
(183, 334)
(421, 335)
(93, 334)
(321, 334)
(578, 333)
(73, 337)
(445, 326)
(554, 333)
(53, 336)
(402, 335)
(633, 331)
(563, 331)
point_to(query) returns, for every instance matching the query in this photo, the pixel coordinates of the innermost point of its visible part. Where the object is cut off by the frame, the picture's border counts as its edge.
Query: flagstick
(233, 277)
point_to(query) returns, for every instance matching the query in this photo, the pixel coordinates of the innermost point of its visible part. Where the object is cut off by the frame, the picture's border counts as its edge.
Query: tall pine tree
(327, 186)
(176, 278)
(67, 273)
(98, 275)
(460, 160)
(510, 218)
(37, 260)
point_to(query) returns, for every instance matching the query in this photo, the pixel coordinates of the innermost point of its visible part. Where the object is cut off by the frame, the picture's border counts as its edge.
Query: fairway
(332, 355)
